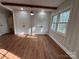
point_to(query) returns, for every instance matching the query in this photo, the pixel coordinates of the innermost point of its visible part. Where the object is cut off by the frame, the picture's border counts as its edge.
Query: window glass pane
(54, 27)
(54, 23)
(64, 17)
(54, 19)
(61, 28)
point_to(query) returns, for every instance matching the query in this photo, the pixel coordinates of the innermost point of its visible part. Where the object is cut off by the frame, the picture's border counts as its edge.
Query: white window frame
(58, 18)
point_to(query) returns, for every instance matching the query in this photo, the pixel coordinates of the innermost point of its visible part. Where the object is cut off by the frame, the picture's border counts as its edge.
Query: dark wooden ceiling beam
(28, 5)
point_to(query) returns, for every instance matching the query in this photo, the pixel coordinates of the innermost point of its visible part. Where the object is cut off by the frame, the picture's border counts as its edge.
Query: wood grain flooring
(25, 47)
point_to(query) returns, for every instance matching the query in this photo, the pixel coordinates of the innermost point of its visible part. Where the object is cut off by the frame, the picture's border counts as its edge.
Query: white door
(27, 24)
(40, 23)
(22, 22)
(3, 24)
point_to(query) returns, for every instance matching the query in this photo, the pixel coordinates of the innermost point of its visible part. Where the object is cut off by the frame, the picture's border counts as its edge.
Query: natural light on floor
(32, 36)
(28, 36)
(21, 34)
(4, 54)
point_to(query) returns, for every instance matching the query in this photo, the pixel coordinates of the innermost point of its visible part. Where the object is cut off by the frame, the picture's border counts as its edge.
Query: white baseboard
(64, 48)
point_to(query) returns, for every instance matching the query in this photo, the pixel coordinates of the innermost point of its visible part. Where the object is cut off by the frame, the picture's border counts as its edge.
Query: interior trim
(64, 48)
(28, 5)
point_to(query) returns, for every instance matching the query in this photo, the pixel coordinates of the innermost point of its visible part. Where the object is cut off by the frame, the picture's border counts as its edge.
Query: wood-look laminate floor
(25, 47)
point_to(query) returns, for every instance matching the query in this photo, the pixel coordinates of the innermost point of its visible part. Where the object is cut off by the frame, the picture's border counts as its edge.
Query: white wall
(70, 41)
(73, 29)
(3, 21)
(59, 37)
(40, 22)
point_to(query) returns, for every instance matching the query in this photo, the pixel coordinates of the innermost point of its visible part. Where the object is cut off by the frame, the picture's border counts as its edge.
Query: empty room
(39, 29)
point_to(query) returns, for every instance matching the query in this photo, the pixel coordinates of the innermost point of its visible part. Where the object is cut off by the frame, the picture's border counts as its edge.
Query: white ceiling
(52, 3)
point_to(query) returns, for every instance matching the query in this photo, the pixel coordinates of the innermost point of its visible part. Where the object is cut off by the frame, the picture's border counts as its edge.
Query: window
(59, 23)
(63, 20)
(54, 23)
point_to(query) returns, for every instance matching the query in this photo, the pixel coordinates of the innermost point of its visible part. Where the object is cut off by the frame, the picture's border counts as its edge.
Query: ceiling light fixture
(21, 8)
(31, 13)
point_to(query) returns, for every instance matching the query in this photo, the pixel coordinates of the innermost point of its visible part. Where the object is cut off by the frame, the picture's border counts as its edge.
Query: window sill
(59, 33)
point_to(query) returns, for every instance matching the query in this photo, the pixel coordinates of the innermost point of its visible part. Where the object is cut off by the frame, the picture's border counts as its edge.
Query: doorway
(10, 23)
